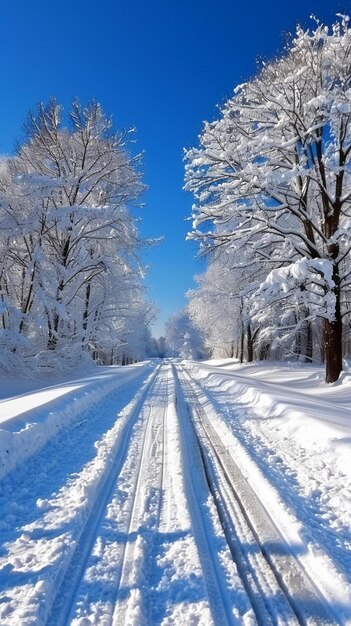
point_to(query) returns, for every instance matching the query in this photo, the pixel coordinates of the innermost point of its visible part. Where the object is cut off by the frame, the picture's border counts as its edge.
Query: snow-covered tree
(272, 176)
(220, 306)
(68, 241)
(183, 338)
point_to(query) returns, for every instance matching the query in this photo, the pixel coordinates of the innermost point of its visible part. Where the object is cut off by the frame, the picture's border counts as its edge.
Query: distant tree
(183, 339)
(161, 347)
(272, 177)
(220, 306)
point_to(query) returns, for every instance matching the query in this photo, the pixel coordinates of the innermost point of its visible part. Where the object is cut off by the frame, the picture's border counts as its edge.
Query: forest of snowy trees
(272, 213)
(70, 275)
(272, 187)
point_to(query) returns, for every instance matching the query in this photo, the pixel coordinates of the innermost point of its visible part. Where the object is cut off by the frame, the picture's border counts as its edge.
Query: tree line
(272, 188)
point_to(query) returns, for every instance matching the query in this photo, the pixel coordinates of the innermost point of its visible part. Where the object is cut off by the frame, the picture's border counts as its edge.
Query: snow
(307, 408)
(292, 435)
(29, 420)
(106, 516)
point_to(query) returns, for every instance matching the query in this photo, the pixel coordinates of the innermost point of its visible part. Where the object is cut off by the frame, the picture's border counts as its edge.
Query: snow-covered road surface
(139, 507)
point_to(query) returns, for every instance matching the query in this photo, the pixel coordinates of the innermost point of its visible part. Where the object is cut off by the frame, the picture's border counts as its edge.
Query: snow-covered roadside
(46, 502)
(294, 403)
(29, 420)
(293, 442)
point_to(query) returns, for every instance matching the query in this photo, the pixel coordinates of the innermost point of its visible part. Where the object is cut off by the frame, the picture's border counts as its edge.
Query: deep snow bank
(29, 420)
(295, 397)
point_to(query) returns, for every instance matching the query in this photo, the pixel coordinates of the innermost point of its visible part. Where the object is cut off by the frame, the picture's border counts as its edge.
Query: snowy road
(138, 511)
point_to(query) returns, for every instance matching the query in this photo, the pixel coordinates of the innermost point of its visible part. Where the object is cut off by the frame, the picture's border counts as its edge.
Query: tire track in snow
(267, 598)
(220, 602)
(114, 583)
(144, 518)
(236, 499)
(63, 602)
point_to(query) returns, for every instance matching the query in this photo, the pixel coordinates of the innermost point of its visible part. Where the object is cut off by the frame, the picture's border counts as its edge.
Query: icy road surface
(144, 495)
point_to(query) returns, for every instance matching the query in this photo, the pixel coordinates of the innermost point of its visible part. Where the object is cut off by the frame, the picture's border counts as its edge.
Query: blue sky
(159, 65)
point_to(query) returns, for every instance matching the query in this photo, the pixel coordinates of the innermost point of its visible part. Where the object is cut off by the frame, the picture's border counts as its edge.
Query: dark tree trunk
(333, 337)
(264, 352)
(86, 313)
(250, 344)
(52, 339)
(333, 350)
(242, 330)
(333, 329)
(27, 303)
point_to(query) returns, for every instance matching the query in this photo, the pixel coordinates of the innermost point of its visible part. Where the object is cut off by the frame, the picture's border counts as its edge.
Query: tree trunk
(26, 303)
(333, 338)
(333, 350)
(86, 313)
(242, 330)
(52, 338)
(250, 344)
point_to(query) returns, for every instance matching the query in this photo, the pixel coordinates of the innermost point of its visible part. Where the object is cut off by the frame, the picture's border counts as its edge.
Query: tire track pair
(239, 506)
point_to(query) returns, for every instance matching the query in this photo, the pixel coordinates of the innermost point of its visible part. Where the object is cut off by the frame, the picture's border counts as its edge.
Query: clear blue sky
(159, 65)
